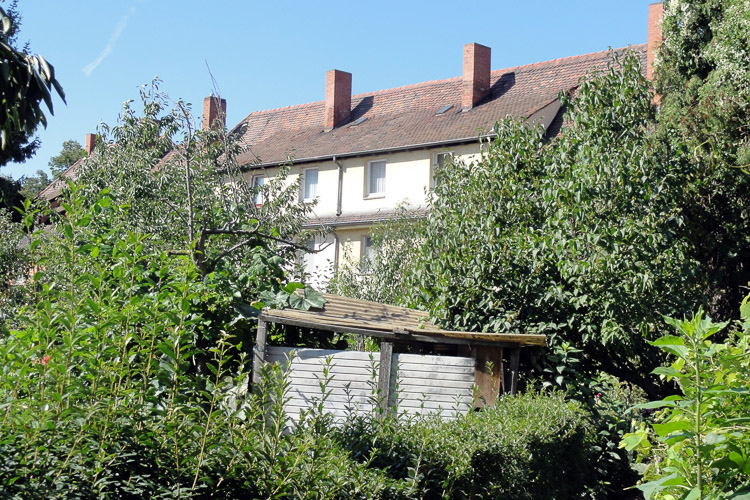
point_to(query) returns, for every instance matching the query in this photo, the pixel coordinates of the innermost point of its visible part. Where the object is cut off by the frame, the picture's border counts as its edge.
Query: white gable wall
(408, 176)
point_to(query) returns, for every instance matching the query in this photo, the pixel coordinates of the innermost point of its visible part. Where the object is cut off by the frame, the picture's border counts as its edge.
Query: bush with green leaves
(697, 445)
(100, 391)
(532, 446)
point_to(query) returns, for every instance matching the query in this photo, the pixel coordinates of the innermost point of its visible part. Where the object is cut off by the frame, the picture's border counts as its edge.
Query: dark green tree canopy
(27, 82)
(32, 185)
(703, 76)
(71, 152)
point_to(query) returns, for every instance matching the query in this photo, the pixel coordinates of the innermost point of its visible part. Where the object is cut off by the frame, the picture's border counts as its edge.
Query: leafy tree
(32, 185)
(184, 189)
(574, 238)
(698, 444)
(72, 151)
(11, 196)
(703, 77)
(27, 81)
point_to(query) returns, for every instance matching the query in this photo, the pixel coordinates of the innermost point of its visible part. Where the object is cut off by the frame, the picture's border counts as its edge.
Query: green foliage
(703, 76)
(574, 238)
(184, 190)
(698, 444)
(505, 451)
(27, 81)
(381, 276)
(101, 394)
(33, 185)
(11, 196)
(71, 152)
(14, 266)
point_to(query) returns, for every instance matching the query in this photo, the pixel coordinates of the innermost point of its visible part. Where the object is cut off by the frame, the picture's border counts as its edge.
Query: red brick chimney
(214, 108)
(655, 13)
(90, 143)
(338, 98)
(476, 84)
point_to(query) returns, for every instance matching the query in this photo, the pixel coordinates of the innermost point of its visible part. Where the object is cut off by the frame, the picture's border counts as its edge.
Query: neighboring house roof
(405, 117)
(55, 187)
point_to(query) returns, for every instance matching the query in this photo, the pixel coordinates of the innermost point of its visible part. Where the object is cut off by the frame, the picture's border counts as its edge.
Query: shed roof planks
(397, 324)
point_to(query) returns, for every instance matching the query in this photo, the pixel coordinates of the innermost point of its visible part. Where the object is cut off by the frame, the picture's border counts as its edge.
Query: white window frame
(256, 181)
(434, 166)
(365, 249)
(305, 173)
(368, 188)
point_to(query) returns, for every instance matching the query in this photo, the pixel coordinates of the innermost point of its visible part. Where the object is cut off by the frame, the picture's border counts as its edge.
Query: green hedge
(531, 446)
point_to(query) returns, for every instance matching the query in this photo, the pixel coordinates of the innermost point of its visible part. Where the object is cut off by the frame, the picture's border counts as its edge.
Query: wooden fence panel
(418, 383)
(428, 384)
(351, 383)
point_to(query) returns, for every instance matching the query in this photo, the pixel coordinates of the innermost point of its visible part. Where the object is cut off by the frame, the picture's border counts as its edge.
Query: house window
(376, 179)
(438, 163)
(310, 184)
(257, 183)
(368, 252)
(309, 257)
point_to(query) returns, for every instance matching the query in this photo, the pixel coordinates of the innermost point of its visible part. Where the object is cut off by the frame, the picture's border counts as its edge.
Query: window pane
(377, 177)
(311, 183)
(258, 181)
(368, 253)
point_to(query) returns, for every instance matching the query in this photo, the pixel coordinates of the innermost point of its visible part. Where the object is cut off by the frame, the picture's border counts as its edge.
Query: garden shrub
(531, 446)
(697, 445)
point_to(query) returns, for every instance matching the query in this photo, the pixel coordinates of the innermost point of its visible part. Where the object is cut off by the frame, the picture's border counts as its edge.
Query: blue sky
(274, 54)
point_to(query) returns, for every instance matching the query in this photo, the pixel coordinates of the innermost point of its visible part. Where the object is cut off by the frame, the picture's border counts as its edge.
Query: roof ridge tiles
(566, 58)
(494, 72)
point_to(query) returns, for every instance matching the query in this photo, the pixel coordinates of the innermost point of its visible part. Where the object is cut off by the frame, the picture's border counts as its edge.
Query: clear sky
(272, 54)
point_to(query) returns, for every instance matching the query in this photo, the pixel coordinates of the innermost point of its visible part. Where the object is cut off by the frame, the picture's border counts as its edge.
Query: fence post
(488, 374)
(384, 375)
(259, 351)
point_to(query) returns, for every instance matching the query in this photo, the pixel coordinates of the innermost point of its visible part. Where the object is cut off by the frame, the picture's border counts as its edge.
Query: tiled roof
(56, 186)
(405, 117)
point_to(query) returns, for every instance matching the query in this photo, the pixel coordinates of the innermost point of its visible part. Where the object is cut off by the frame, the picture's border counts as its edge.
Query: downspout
(341, 185)
(335, 251)
(338, 213)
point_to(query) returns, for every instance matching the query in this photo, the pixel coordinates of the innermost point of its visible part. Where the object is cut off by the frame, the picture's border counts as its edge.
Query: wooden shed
(471, 370)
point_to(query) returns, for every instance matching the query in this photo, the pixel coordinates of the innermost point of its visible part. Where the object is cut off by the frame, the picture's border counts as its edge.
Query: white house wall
(408, 176)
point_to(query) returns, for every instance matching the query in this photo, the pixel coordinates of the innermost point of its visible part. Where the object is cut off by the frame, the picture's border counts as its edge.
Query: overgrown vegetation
(631, 214)
(698, 444)
(125, 329)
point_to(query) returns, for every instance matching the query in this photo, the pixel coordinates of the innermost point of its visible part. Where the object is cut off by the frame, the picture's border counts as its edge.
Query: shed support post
(259, 351)
(511, 385)
(384, 376)
(488, 374)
